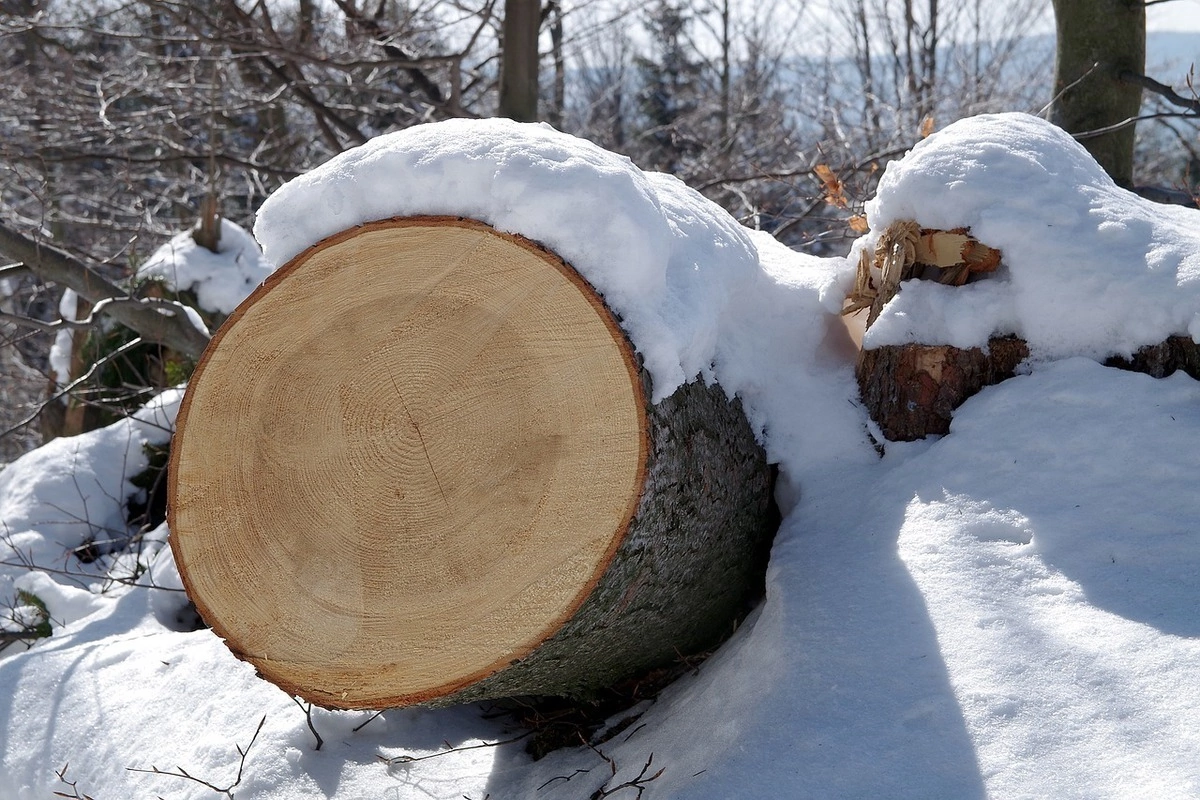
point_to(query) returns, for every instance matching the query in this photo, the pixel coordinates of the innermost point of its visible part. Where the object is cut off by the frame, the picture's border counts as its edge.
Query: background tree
(1098, 43)
(668, 97)
(519, 60)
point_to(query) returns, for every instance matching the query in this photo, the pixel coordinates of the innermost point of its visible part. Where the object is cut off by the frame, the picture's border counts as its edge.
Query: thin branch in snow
(74, 795)
(638, 783)
(564, 778)
(403, 759)
(307, 709)
(227, 790)
(366, 722)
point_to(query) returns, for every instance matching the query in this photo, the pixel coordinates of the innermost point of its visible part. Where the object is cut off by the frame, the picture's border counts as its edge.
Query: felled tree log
(419, 466)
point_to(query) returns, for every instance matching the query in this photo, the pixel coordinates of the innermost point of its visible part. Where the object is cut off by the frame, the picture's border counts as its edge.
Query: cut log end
(390, 445)
(407, 461)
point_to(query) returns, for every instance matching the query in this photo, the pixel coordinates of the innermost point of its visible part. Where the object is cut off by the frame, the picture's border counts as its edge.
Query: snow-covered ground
(1011, 610)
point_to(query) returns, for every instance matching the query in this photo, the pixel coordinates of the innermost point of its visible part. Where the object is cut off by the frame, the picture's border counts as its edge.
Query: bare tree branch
(153, 321)
(17, 270)
(63, 392)
(1173, 97)
(1125, 123)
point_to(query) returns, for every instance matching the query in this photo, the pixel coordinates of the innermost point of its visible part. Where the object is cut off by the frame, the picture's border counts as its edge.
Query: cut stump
(419, 466)
(911, 390)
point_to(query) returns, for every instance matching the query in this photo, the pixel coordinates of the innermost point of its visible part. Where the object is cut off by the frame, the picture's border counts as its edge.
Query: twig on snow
(183, 773)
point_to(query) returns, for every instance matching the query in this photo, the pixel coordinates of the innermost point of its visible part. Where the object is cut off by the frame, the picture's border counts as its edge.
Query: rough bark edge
(693, 561)
(1163, 359)
(909, 403)
(911, 391)
(641, 392)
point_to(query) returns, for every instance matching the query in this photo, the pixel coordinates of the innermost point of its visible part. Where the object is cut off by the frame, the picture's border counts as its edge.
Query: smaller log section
(419, 466)
(1162, 359)
(911, 390)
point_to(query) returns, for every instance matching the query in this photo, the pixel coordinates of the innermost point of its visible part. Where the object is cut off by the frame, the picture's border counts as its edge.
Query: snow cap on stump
(1090, 269)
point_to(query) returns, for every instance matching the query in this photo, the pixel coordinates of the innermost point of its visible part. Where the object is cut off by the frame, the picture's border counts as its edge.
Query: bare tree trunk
(1097, 41)
(306, 22)
(726, 70)
(519, 62)
(560, 64)
(870, 112)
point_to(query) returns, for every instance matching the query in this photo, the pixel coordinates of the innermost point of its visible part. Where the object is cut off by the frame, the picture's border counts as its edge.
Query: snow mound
(74, 488)
(220, 280)
(1091, 269)
(665, 258)
(1050, 537)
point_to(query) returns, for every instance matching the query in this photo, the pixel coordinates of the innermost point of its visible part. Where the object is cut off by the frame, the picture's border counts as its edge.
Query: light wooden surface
(405, 461)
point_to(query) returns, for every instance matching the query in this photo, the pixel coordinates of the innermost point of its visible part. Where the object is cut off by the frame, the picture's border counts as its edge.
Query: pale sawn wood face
(405, 461)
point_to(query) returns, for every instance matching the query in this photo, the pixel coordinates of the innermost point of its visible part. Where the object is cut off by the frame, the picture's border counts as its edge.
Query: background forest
(125, 122)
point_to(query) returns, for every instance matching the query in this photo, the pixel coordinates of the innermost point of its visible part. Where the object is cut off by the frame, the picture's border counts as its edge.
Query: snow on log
(999, 240)
(425, 463)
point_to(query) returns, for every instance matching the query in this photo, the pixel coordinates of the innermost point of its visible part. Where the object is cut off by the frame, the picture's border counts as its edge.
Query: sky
(1178, 15)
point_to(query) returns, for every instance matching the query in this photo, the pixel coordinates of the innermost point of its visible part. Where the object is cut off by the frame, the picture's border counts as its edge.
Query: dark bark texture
(912, 390)
(1161, 360)
(690, 566)
(1097, 41)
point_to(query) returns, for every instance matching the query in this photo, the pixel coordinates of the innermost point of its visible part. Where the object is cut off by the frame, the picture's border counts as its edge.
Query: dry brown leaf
(926, 127)
(858, 224)
(835, 192)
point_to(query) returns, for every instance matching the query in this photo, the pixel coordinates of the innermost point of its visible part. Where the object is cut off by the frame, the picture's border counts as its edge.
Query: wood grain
(405, 461)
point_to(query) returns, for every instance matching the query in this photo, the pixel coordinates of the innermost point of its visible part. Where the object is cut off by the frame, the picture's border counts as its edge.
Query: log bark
(1163, 359)
(419, 466)
(911, 390)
